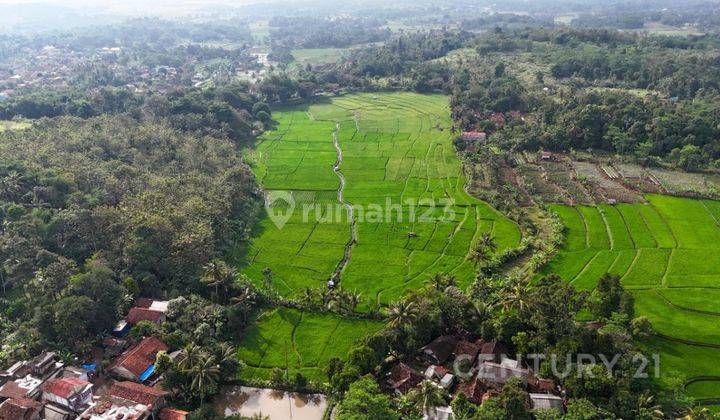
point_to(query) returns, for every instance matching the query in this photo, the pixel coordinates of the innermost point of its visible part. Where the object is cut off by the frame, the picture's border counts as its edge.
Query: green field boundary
(683, 308)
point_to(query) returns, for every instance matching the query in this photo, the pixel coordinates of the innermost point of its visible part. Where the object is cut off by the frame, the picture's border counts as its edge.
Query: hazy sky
(134, 6)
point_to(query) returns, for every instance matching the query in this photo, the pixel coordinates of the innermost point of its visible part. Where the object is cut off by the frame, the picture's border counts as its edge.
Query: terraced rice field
(396, 153)
(299, 342)
(411, 217)
(667, 253)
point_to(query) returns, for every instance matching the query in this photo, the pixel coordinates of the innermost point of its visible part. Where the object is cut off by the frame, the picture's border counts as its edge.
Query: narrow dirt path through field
(351, 211)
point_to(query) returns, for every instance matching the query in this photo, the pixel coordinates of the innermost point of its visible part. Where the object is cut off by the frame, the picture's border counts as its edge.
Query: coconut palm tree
(245, 300)
(204, 375)
(479, 254)
(402, 313)
(220, 276)
(516, 296)
(648, 409)
(353, 300)
(426, 396)
(189, 356)
(697, 413)
(488, 242)
(438, 282)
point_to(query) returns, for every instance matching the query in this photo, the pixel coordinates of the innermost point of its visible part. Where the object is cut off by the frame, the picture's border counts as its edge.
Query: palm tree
(648, 409)
(427, 395)
(189, 356)
(245, 300)
(402, 312)
(309, 296)
(217, 274)
(204, 375)
(697, 413)
(488, 242)
(438, 282)
(516, 297)
(479, 254)
(353, 300)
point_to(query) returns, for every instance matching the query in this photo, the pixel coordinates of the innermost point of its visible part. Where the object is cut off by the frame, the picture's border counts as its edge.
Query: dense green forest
(122, 204)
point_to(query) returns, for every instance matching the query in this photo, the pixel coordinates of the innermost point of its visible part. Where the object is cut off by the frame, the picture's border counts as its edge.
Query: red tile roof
(403, 378)
(12, 390)
(143, 314)
(440, 348)
(440, 370)
(138, 393)
(473, 390)
(64, 387)
(18, 409)
(172, 414)
(492, 350)
(467, 348)
(473, 135)
(140, 356)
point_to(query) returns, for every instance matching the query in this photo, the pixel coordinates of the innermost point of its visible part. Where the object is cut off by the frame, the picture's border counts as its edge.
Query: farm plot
(298, 342)
(666, 253)
(412, 215)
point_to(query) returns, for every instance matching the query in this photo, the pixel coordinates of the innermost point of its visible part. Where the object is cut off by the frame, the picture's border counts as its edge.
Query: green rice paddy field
(397, 149)
(667, 253)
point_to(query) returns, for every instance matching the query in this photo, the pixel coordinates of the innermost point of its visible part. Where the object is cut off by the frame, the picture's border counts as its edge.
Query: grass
(414, 218)
(316, 56)
(298, 342)
(398, 160)
(666, 253)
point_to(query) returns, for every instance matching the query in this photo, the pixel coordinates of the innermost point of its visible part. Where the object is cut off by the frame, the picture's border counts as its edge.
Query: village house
(71, 393)
(11, 389)
(473, 390)
(20, 409)
(172, 414)
(440, 349)
(147, 310)
(30, 385)
(138, 362)
(492, 351)
(74, 372)
(435, 372)
(108, 407)
(473, 136)
(121, 328)
(402, 378)
(136, 315)
(45, 364)
(498, 373)
(152, 398)
(467, 349)
(547, 402)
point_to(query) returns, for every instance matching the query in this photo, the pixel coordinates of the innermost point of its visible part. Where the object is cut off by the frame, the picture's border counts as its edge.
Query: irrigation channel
(351, 211)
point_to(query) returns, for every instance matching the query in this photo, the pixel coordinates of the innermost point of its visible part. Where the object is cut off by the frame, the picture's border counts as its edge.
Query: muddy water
(278, 405)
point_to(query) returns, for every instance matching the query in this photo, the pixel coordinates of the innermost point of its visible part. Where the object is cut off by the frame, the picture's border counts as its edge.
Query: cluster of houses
(474, 368)
(56, 66)
(47, 388)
